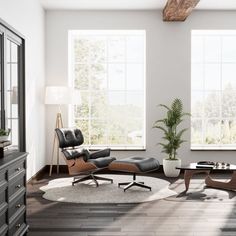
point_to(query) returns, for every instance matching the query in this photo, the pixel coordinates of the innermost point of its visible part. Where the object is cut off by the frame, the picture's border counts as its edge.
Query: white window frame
(71, 35)
(220, 33)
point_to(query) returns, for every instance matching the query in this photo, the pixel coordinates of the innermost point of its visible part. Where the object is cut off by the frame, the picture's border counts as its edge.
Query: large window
(213, 86)
(108, 67)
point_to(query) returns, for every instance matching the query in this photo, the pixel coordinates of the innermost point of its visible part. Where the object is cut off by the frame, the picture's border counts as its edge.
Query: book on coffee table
(206, 163)
(204, 166)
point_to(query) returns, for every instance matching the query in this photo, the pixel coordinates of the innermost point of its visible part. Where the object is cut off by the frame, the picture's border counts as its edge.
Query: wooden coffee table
(191, 169)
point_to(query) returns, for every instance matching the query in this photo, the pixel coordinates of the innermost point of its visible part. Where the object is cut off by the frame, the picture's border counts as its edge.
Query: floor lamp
(58, 95)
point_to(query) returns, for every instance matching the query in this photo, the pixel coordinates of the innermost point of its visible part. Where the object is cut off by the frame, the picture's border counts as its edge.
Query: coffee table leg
(188, 175)
(230, 185)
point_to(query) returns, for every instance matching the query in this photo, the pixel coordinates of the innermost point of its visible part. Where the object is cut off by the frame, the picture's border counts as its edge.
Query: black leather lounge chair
(80, 161)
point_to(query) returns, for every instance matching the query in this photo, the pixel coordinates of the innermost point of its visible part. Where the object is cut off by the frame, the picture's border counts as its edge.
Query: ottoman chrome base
(134, 183)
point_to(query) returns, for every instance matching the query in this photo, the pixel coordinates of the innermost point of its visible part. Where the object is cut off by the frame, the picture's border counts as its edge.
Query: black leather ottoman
(135, 165)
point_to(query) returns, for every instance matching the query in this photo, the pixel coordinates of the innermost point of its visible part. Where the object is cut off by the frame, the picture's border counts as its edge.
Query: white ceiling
(130, 4)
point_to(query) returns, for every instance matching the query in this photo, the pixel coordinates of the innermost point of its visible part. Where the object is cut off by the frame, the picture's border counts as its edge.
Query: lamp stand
(59, 125)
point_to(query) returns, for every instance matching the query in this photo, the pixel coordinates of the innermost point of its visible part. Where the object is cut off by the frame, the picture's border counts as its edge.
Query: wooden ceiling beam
(178, 10)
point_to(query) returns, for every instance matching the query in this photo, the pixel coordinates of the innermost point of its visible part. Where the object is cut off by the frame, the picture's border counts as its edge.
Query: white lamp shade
(59, 95)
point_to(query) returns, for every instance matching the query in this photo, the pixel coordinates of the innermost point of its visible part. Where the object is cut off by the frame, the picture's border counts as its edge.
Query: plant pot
(169, 167)
(4, 138)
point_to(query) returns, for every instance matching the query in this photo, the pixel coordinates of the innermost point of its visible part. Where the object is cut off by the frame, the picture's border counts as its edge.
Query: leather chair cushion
(100, 153)
(76, 153)
(143, 164)
(69, 137)
(102, 161)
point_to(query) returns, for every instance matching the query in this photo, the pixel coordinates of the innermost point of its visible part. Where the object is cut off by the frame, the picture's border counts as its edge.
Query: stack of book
(205, 164)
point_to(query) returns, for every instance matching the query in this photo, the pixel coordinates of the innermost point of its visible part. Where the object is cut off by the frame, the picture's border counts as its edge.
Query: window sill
(213, 148)
(96, 148)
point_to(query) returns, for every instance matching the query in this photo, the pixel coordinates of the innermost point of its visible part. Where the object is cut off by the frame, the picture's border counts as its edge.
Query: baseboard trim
(62, 169)
(39, 175)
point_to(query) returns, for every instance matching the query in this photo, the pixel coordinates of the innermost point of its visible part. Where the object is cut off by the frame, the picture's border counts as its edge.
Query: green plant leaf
(4, 132)
(161, 128)
(170, 123)
(180, 133)
(186, 114)
(157, 122)
(162, 105)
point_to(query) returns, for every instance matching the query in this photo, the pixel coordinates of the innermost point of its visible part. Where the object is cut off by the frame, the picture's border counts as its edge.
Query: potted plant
(173, 136)
(4, 135)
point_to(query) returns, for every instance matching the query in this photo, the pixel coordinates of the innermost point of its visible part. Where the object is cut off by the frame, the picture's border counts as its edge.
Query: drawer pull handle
(18, 186)
(18, 226)
(18, 205)
(18, 169)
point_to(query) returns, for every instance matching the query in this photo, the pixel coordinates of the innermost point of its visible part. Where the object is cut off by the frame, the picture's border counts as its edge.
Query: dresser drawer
(16, 186)
(3, 195)
(17, 226)
(13, 194)
(3, 222)
(3, 207)
(3, 181)
(16, 205)
(16, 169)
(3, 230)
(3, 177)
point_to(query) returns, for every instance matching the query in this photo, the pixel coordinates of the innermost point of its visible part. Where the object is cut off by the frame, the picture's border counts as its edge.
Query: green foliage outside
(111, 123)
(169, 126)
(214, 118)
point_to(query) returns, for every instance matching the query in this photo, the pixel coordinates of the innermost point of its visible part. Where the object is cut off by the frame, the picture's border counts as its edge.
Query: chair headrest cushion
(69, 137)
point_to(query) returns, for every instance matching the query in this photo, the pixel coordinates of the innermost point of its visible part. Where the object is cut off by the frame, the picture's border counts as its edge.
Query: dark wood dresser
(13, 194)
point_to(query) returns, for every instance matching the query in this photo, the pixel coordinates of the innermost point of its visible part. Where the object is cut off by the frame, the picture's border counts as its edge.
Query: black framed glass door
(12, 89)
(2, 122)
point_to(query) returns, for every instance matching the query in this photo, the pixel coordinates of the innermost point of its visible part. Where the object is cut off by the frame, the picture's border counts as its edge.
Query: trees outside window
(108, 67)
(213, 89)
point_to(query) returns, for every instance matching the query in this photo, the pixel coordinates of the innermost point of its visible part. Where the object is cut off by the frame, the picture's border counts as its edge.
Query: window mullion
(221, 90)
(126, 81)
(107, 88)
(204, 92)
(89, 94)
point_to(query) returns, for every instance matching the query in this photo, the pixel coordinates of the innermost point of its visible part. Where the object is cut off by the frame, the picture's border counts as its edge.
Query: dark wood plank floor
(158, 218)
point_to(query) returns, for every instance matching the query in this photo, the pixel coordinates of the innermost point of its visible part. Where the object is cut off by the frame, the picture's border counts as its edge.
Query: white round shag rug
(61, 190)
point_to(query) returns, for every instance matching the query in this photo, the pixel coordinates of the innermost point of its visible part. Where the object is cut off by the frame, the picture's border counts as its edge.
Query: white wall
(168, 63)
(27, 17)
